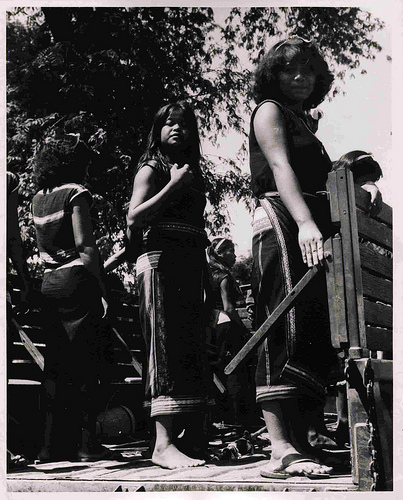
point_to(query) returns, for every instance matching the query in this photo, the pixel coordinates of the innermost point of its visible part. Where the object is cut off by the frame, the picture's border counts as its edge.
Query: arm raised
(147, 201)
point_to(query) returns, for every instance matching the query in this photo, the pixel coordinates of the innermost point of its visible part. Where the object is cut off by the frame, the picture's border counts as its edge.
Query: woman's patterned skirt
(295, 358)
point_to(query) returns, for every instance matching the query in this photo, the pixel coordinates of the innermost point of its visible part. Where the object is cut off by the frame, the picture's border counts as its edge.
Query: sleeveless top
(52, 214)
(182, 222)
(218, 274)
(308, 157)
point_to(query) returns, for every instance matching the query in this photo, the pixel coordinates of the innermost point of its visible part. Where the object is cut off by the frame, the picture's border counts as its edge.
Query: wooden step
(24, 369)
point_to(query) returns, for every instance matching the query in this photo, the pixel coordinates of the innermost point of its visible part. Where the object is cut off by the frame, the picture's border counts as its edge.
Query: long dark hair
(293, 49)
(361, 164)
(190, 152)
(60, 161)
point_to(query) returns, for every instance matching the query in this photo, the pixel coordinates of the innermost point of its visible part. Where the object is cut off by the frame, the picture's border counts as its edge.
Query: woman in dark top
(74, 292)
(289, 168)
(168, 202)
(228, 332)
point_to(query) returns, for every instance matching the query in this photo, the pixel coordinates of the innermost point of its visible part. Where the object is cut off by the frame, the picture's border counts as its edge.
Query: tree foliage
(104, 72)
(242, 270)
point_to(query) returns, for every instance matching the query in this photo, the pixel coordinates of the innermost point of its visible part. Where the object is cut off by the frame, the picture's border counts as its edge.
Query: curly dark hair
(60, 161)
(294, 49)
(190, 151)
(361, 164)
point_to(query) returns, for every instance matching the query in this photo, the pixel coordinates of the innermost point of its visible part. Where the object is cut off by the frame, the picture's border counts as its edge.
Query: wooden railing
(360, 295)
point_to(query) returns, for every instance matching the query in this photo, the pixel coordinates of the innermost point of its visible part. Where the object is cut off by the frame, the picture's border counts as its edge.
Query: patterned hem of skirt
(168, 405)
(276, 392)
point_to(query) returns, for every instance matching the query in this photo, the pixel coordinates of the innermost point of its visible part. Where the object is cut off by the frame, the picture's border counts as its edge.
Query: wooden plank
(339, 281)
(379, 339)
(363, 198)
(383, 370)
(333, 198)
(348, 260)
(260, 335)
(361, 457)
(336, 298)
(356, 258)
(374, 231)
(377, 288)
(334, 305)
(219, 476)
(383, 408)
(377, 314)
(372, 260)
(357, 417)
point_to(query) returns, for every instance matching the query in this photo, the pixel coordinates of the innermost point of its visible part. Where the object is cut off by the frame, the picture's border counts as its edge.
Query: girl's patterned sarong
(171, 314)
(294, 361)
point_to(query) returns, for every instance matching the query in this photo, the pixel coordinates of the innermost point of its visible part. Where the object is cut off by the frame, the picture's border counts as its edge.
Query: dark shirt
(219, 273)
(182, 222)
(308, 157)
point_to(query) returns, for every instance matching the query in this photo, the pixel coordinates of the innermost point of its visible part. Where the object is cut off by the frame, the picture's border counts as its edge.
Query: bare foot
(295, 464)
(171, 458)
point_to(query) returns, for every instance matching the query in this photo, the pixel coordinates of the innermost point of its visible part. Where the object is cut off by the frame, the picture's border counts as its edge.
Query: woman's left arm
(85, 240)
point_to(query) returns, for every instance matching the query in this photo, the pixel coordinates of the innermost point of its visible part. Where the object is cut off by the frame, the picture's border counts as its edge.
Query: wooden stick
(260, 335)
(29, 345)
(135, 363)
(115, 260)
(220, 386)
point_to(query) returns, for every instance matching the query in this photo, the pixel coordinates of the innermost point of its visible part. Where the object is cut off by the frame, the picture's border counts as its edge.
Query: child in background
(366, 171)
(229, 333)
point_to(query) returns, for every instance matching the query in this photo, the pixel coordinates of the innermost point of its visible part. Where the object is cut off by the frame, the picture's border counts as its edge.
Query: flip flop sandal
(275, 475)
(291, 459)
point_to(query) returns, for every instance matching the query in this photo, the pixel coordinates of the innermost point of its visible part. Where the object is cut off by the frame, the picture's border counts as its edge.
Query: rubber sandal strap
(291, 459)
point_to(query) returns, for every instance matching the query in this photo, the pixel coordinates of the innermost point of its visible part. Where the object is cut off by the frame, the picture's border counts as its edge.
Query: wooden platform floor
(137, 473)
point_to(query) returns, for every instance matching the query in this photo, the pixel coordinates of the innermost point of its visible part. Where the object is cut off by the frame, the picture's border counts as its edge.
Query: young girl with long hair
(167, 202)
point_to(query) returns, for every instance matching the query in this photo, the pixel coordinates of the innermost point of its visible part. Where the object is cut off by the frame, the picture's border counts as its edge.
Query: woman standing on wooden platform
(289, 168)
(168, 201)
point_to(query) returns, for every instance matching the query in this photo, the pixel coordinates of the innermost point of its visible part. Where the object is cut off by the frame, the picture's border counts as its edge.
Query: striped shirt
(52, 213)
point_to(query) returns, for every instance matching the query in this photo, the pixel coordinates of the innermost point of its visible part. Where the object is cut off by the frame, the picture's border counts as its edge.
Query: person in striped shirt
(74, 301)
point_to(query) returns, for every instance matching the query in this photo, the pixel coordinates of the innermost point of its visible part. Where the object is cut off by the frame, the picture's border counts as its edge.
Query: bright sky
(360, 119)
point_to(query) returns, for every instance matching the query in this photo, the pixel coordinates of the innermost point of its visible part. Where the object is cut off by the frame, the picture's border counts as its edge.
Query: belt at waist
(175, 231)
(179, 226)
